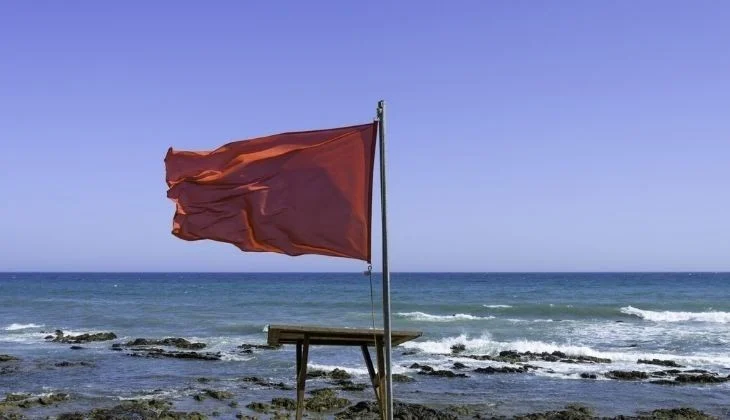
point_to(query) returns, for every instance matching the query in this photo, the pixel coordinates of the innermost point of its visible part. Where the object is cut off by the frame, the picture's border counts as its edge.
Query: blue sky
(523, 136)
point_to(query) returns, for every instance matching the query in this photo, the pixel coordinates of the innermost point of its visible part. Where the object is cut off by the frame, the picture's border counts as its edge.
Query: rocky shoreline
(328, 401)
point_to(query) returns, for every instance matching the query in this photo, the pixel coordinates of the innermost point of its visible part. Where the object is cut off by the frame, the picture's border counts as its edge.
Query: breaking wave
(16, 327)
(422, 316)
(670, 316)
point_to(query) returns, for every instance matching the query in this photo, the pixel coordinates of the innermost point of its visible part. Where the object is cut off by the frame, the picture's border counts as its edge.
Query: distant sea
(624, 317)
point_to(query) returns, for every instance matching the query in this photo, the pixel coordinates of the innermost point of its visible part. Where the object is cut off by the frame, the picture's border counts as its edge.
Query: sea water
(684, 317)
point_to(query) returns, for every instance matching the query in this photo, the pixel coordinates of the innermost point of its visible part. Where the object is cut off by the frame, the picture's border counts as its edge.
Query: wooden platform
(305, 335)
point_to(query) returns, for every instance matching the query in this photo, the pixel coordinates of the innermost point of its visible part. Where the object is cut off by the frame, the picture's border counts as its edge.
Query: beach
(493, 345)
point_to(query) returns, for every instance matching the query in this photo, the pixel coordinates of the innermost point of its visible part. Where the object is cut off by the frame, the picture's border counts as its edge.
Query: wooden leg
(371, 371)
(302, 376)
(381, 376)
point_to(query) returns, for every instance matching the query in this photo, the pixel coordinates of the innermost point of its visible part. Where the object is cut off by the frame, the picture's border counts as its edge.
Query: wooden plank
(302, 378)
(291, 334)
(371, 372)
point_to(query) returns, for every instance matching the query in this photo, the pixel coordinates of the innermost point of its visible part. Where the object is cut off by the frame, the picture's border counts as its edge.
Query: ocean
(624, 317)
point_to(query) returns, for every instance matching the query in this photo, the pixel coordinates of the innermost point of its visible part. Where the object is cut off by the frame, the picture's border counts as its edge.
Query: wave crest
(16, 327)
(671, 316)
(422, 316)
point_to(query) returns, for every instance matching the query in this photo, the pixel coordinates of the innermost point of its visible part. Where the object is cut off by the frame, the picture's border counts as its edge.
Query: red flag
(295, 193)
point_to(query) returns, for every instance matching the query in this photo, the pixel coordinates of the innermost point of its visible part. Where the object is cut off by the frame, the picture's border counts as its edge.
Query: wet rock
(586, 375)
(262, 382)
(246, 346)
(258, 407)
(117, 347)
(316, 373)
(458, 348)
(339, 374)
(443, 373)
(7, 358)
(703, 378)
(218, 395)
(28, 401)
(401, 411)
(82, 338)
(696, 371)
(668, 363)
(179, 343)
(459, 365)
(397, 377)
(325, 400)
(156, 352)
(348, 385)
(559, 354)
(77, 348)
(142, 410)
(627, 375)
(409, 353)
(72, 364)
(233, 404)
(284, 403)
(683, 413)
(203, 380)
(571, 412)
(489, 370)
(417, 366)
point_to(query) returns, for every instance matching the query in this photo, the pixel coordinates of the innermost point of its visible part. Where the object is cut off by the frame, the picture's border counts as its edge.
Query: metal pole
(388, 395)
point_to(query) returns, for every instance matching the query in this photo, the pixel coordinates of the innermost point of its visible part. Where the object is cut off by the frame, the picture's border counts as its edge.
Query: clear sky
(523, 135)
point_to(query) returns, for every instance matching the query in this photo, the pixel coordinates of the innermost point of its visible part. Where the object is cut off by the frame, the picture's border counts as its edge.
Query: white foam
(16, 327)
(484, 345)
(422, 316)
(497, 306)
(670, 316)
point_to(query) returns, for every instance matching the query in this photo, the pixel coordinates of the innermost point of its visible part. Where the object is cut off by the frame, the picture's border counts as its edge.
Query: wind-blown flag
(294, 193)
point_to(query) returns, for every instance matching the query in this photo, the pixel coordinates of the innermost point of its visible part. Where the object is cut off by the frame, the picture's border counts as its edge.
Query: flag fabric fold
(295, 193)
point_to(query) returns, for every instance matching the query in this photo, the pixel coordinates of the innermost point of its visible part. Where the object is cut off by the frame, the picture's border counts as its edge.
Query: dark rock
(459, 365)
(668, 363)
(586, 375)
(198, 397)
(203, 380)
(82, 338)
(180, 343)
(397, 377)
(348, 385)
(325, 400)
(259, 407)
(246, 346)
(442, 373)
(262, 382)
(117, 347)
(77, 348)
(284, 403)
(627, 375)
(696, 371)
(7, 358)
(49, 337)
(218, 395)
(591, 359)
(142, 410)
(559, 354)
(703, 378)
(458, 348)
(401, 411)
(409, 353)
(316, 373)
(571, 412)
(233, 404)
(71, 364)
(489, 370)
(156, 352)
(683, 413)
(339, 374)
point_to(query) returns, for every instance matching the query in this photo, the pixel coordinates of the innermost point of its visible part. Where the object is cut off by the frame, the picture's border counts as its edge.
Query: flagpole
(387, 399)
